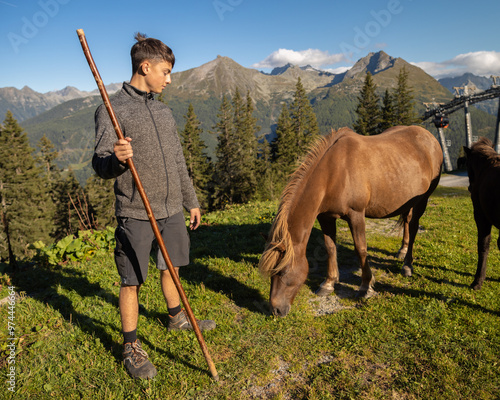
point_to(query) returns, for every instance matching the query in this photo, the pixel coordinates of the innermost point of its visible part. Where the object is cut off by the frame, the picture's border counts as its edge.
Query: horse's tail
(401, 222)
(279, 250)
(402, 219)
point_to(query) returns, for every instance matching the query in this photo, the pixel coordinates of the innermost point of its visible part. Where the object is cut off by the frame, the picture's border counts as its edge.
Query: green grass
(426, 337)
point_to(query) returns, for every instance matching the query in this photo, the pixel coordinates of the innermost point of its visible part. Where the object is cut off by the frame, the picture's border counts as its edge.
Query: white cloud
(314, 57)
(483, 63)
(338, 70)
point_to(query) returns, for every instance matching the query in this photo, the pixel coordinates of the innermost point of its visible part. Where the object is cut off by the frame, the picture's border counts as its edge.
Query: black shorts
(134, 240)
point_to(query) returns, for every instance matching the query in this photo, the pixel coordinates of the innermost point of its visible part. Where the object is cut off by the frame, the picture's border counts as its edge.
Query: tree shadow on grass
(381, 260)
(470, 274)
(347, 289)
(237, 243)
(347, 259)
(41, 284)
(240, 243)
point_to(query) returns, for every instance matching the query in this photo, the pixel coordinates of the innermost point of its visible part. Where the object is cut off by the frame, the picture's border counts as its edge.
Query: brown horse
(349, 176)
(483, 167)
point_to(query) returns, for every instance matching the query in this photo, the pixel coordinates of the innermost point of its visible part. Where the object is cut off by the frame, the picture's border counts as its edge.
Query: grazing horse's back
(383, 172)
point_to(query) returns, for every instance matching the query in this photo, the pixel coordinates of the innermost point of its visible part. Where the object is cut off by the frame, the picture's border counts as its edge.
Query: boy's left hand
(195, 218)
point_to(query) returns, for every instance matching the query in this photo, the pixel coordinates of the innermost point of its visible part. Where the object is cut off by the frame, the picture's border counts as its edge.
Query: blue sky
(40, 48)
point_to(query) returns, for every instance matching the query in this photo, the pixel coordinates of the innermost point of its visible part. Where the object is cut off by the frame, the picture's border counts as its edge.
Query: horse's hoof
(366, 294)
(476, 286)
(407, 271)
(323, 292)
(401, 255)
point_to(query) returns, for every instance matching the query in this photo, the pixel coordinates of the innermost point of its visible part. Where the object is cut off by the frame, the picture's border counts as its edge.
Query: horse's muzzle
(281, 311)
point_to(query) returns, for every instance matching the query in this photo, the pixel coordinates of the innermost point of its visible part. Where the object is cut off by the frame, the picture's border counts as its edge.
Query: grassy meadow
(425, 337)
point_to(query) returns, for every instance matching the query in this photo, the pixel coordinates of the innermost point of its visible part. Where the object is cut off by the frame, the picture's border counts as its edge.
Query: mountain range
(66, 116)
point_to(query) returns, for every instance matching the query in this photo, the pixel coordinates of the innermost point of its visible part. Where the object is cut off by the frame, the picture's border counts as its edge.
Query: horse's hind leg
(405, 221)
(356, 223)
(329, 228)
(483, 248)
(417, 211)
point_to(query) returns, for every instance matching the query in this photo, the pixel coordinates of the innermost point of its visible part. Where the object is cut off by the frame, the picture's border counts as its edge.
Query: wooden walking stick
(149, 211)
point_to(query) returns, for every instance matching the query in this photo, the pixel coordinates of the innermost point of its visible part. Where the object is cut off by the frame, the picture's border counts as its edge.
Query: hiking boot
(136, 361)
(180, 322)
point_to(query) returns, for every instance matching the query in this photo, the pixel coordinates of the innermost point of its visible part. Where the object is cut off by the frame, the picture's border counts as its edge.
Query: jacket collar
(137, 94)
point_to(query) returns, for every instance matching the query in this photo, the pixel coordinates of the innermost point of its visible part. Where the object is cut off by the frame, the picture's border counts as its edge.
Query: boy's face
(156, 75)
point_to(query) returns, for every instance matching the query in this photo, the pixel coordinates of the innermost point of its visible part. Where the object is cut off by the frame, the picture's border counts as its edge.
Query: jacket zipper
(161, 149)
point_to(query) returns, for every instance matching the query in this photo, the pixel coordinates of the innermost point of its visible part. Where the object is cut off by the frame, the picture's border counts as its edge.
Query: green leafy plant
(71, 248)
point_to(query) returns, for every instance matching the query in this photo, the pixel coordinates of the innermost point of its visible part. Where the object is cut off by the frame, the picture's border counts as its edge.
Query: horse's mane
(484, 149)
(278, 252)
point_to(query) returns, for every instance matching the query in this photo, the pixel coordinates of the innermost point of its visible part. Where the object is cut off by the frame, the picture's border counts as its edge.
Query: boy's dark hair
(149, 49)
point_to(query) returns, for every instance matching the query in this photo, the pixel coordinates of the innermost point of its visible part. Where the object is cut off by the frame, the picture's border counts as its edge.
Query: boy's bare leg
(169, 289)
(178, 320)
(129, 307)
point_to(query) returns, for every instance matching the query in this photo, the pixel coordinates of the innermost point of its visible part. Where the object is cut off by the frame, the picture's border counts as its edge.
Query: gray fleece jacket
(158, 156)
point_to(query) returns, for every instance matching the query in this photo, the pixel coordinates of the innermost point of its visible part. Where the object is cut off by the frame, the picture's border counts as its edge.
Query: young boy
(151, 140)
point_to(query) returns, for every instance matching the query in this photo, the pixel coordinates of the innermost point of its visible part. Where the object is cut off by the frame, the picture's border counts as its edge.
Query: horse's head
(287, 274)
(284, 287)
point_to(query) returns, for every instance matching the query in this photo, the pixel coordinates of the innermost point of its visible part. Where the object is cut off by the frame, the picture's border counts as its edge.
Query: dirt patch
(282, 374)
(326, 305)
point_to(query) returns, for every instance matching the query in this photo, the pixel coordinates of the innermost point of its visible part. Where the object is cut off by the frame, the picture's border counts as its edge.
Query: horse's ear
(264, 236)
(467, 150)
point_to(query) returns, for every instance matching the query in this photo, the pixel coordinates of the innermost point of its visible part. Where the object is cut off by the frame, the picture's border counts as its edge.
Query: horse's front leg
(483, 248)
(356, 221)
(329, 228)
(405, 219)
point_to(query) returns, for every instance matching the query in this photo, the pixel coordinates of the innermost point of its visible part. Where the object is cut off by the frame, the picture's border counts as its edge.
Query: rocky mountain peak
(469, 79)
(373, 63)
(281, 70)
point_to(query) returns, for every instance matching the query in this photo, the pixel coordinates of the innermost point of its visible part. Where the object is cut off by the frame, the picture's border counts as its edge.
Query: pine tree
(284, 147)
(304, 123)
(296, 130)
(197, 162)
(235, 170)
(387, 119)
(223, 174)
(23, 196)
(368, 109)
(73, 209)
(47, 158)
(404, 106)
(101, 201)
(245, 148)
(51, 178)
(267, 181)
